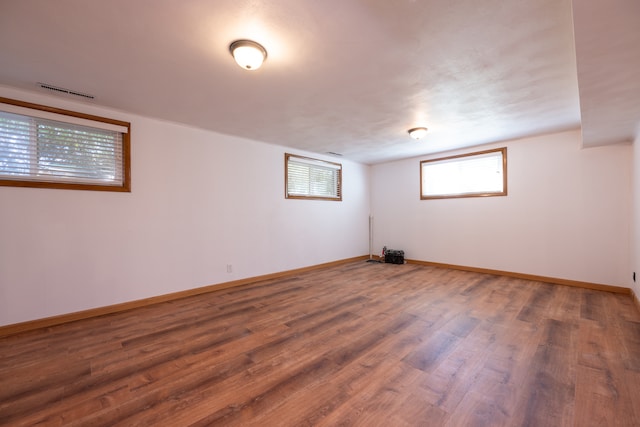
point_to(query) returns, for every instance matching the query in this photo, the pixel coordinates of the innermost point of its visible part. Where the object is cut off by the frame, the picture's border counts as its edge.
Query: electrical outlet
(229, 268)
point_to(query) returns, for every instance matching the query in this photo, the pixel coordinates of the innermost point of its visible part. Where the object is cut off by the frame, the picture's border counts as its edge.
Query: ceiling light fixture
(248, 54)
(417, 133)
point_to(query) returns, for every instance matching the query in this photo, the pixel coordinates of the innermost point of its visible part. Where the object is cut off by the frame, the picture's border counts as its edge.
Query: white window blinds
(312, 178)
(475, 174)
(37, 149)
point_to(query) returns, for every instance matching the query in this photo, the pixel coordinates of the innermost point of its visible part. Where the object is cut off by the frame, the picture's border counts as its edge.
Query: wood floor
(359, 344)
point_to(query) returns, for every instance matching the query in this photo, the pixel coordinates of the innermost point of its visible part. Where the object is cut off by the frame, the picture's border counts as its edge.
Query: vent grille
(65, 91)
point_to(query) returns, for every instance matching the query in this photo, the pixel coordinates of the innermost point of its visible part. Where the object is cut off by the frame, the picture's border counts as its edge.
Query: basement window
(478, 174)
(47, 147)
(307, 178)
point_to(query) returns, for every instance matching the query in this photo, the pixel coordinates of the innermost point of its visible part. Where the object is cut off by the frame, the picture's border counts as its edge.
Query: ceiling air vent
(61, 90)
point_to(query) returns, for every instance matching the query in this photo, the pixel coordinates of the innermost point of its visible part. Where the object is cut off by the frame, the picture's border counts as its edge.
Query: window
(468, 175)
(52, 148)
(307, 178)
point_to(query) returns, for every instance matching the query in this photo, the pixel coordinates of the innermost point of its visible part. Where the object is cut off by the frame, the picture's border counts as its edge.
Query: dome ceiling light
(417, 133)
(248, 54)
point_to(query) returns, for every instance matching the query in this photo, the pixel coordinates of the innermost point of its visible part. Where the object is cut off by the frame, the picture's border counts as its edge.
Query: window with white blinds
(477, 174)
(308, 178)
(46, 147)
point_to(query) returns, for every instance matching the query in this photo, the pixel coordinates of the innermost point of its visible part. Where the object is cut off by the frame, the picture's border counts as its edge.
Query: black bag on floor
(393, 256)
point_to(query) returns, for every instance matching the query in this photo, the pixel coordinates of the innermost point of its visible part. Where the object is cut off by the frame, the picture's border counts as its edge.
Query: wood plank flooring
(361, 344)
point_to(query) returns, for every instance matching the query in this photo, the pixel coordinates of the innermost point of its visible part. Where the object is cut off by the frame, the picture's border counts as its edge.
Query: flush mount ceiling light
(417, 133)
(248, 54)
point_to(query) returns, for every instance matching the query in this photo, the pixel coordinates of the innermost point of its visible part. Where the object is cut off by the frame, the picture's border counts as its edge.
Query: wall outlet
(229, 268)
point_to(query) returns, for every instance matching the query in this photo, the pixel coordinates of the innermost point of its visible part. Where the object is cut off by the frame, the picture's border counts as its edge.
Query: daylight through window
(469, 175)
(307, 178)
(46, 147)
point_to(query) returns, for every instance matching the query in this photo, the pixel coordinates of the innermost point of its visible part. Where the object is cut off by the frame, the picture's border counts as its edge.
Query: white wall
(199, 201)
(567, 214)
(635, 243)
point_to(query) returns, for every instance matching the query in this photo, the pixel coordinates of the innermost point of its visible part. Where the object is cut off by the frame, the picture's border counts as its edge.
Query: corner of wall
(635, 222)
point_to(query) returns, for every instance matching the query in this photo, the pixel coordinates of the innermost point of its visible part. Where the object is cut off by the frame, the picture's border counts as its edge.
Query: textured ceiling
(345, 76)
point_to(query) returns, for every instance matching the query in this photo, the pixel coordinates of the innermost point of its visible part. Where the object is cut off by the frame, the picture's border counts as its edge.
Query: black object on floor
(393, 256)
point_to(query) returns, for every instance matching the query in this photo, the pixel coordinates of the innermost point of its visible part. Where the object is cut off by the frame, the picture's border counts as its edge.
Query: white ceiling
(345, 76)
(608, 56)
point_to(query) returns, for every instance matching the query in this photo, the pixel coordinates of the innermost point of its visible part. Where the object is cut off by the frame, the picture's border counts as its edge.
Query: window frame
(333, 165)
(125, 186)
(504, 192)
